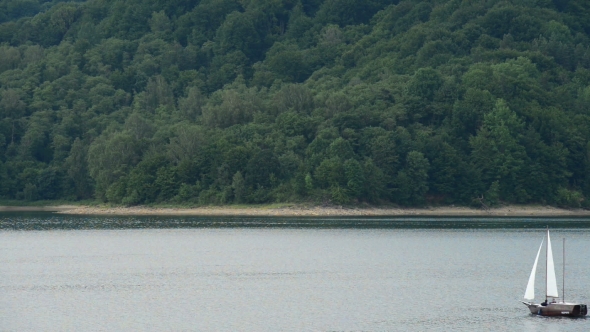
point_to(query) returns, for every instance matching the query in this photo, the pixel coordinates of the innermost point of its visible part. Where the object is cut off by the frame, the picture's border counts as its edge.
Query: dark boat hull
(558, 309)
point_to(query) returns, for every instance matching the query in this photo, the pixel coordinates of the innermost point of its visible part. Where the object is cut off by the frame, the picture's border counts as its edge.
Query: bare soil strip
(306, 211)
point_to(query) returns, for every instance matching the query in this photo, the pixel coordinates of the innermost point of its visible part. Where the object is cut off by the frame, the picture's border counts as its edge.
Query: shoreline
(47, 208)
(306, 211)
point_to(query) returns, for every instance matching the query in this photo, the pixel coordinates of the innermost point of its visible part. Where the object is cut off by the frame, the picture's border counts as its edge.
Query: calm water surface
(66, 273)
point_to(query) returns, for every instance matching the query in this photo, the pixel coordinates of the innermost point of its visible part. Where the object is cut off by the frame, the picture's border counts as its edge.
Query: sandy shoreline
(303, 211)
(52, 208)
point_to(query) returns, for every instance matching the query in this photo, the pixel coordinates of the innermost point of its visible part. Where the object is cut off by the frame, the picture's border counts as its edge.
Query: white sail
(551, 280)
(529, 294)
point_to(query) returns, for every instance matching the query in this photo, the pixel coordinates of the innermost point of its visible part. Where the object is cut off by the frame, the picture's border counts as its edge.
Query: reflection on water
(47, 221)
(72, 273)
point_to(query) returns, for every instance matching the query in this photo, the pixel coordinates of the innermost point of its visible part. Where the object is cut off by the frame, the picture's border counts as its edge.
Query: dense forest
(332, 101)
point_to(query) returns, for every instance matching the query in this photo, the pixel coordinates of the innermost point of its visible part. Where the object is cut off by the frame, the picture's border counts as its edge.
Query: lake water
(69, 273)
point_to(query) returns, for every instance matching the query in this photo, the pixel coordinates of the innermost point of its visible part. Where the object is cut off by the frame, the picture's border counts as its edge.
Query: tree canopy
(409, 102)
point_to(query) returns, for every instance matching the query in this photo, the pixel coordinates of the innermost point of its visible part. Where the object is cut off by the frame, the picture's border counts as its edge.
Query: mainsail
(529, 294)
(551, 280)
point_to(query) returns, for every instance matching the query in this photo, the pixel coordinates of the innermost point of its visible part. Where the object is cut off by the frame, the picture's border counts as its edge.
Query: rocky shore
(302, 211)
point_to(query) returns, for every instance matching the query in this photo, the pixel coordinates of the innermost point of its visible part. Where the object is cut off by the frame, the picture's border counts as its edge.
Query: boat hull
(558, 309)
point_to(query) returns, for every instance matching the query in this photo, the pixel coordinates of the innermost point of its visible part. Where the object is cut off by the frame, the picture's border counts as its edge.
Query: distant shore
(305, 211)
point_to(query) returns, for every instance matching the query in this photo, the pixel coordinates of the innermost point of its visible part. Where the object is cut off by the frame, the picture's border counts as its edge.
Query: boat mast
(546, 266)
(563, 284)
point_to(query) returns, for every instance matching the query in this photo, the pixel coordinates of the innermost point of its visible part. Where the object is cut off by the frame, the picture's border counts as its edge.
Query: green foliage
(355, 178)
(308, 182)
(225, 101)
(339, 195)
(239, 187)
(569, 198)
(30, 192)
(76, 166)
(492, 196)
(412, 181)
(498, 154)
(262, 170)
(330, 173)
(425, 83)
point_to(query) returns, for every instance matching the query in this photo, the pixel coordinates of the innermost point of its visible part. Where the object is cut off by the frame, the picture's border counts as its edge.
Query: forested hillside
(251, 101)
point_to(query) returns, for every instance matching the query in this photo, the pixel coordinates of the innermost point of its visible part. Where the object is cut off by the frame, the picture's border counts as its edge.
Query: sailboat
(551, 307)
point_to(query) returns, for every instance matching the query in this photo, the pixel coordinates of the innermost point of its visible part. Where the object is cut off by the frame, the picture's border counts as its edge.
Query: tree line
(338, 101)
